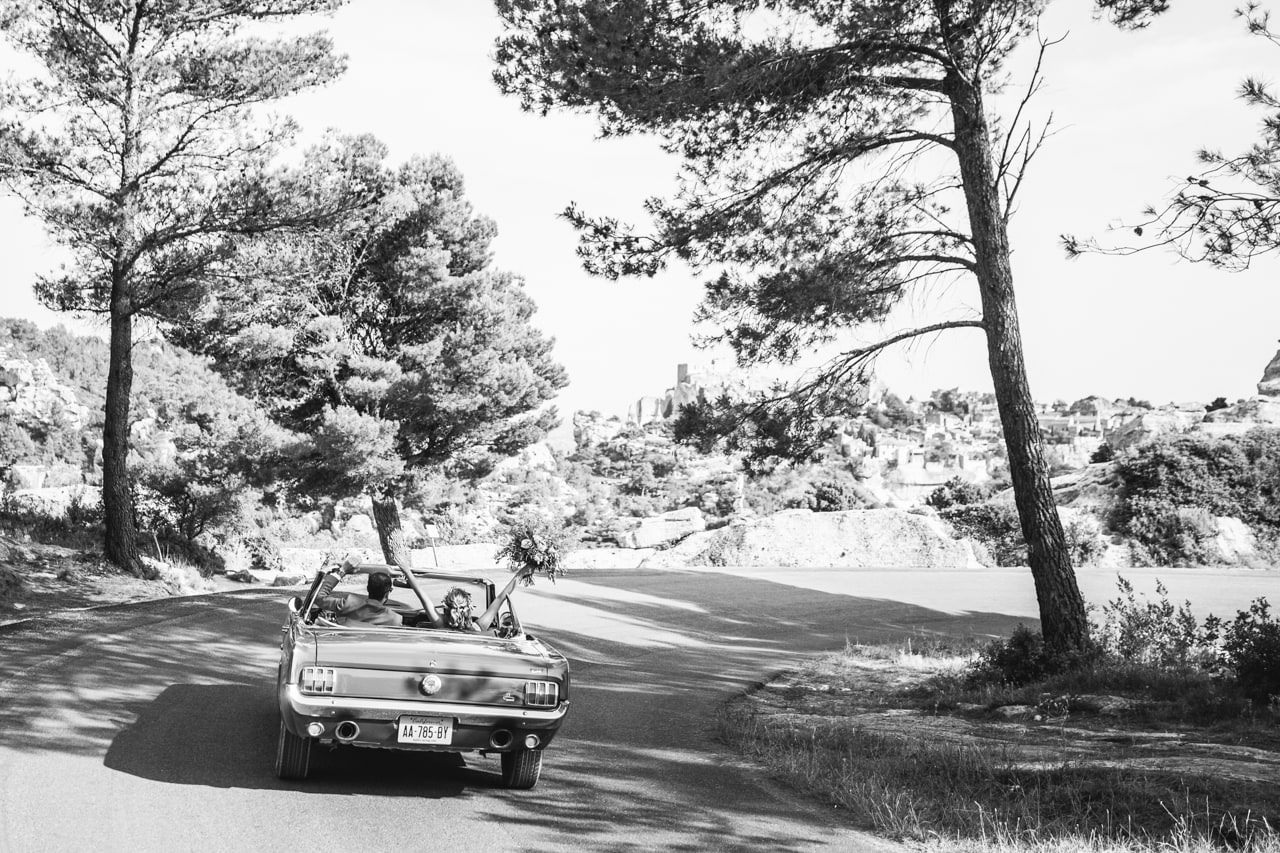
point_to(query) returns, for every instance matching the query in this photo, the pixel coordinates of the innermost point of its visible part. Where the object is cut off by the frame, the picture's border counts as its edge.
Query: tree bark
(121, 540)
(121, 534)
(1062, 614)
(386, 515)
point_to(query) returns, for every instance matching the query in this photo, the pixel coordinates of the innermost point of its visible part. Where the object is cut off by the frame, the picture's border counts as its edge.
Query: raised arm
(437, 621)
(486, 618)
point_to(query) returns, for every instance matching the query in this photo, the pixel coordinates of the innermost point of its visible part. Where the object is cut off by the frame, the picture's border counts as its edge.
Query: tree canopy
(139, 140)
(836, 159)
(388, 341)
(1228, 211)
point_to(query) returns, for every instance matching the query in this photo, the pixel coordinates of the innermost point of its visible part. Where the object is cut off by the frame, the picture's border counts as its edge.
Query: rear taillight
(317, 679)
(543, 694)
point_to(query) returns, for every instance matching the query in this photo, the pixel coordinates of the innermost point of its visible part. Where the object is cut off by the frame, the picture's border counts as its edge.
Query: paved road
(153, 727)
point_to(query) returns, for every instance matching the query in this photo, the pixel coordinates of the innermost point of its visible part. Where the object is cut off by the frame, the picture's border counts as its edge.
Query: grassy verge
(869, 730)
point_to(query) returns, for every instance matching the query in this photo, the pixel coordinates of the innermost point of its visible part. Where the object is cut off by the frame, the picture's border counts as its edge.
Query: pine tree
(804, 129)
(388, 342)
(136, 141)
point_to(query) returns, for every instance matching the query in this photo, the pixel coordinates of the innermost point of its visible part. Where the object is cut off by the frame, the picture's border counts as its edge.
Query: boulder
(535, 457)
(1014, 712)
(358, 523)
(665, 529)
(1235, 543)
(289, 580)
(1106, 705)
(22, 477)
(1148, 425)
(799, 538)
(1269, 385)
(1255, 411)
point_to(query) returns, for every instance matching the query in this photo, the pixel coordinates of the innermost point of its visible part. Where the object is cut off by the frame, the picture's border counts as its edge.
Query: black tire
(293, 755)
(521, 768)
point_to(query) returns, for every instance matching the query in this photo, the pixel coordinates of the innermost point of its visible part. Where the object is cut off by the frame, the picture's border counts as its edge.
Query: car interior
(403, 600)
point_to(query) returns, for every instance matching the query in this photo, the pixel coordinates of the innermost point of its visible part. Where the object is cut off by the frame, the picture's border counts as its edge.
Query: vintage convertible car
(414, 687)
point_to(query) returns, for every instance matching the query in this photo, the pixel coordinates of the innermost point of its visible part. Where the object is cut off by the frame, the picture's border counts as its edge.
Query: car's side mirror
(295, 604)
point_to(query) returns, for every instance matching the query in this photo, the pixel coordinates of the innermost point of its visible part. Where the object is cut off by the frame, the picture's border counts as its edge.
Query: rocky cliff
(1269, 386)
(799, 538)
(29, 392)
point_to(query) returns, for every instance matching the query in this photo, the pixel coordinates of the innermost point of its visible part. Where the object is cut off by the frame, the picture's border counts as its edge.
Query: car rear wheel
(293, 755)
(521, 769)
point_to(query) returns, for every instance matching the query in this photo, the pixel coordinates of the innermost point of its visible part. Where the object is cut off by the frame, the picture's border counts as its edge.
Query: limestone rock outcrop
(592, 428)
(1151, 424)
(30, 391)
(799, 538)
(664, 529)
(1260, 410)
(1269, 386)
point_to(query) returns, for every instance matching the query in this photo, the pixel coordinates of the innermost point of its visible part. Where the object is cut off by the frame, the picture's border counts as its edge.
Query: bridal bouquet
(531, 545)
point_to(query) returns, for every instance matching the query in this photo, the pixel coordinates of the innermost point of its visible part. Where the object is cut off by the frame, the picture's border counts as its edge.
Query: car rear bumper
(475, 727)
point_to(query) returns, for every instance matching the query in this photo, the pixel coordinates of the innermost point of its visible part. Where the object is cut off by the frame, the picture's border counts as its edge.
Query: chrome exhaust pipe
(501, 739)
(346, 731)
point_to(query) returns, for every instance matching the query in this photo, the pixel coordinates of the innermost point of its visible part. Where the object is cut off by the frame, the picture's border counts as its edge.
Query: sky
(1131, 109)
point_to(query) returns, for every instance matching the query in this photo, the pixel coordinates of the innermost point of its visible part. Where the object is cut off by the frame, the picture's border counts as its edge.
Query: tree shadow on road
(224, 736)
(190, 700)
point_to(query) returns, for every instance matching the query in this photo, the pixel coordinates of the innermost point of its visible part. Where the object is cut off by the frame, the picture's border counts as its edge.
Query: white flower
(525, 543)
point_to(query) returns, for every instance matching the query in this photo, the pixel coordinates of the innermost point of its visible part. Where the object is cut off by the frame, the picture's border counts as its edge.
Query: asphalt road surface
(153, 727)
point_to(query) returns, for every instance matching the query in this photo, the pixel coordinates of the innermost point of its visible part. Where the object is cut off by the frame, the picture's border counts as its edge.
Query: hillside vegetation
(213, 484)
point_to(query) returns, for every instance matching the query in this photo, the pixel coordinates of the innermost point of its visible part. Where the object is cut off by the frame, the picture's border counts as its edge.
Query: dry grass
(954, 796)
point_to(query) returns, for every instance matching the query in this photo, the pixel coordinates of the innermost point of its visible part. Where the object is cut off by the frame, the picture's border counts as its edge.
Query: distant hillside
(171, 388)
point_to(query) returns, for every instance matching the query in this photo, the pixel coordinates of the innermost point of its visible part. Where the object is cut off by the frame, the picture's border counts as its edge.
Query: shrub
(83, 511)
(1017, 660)
(833, 496)
(1085, 543)
(263, 554)
(1172, 485)
(1250, 651)
(1104, 453)
(957, 492)
(1152, 632)
(1171, 535)
(996, 526)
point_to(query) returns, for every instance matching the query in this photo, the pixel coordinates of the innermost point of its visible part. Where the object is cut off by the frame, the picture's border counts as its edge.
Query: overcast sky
(1132, 108)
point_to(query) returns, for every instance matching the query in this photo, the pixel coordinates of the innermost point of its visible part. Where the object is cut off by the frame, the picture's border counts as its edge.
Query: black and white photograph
(640, 425)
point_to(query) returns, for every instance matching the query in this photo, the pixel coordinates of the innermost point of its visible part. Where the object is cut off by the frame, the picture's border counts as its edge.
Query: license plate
(425, 730)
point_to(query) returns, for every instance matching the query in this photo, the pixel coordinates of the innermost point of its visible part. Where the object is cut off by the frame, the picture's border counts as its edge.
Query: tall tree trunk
(1062, 613)
(121, 543)
(386, 515)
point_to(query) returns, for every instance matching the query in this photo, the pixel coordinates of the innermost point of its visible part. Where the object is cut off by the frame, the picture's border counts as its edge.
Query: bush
(1171, 535)
(1152, 632)
(1104, 453)
(996, 526)
(957, 492)
(1172, 485)
(1250, 651)
(833, 496)
(1020, 659)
